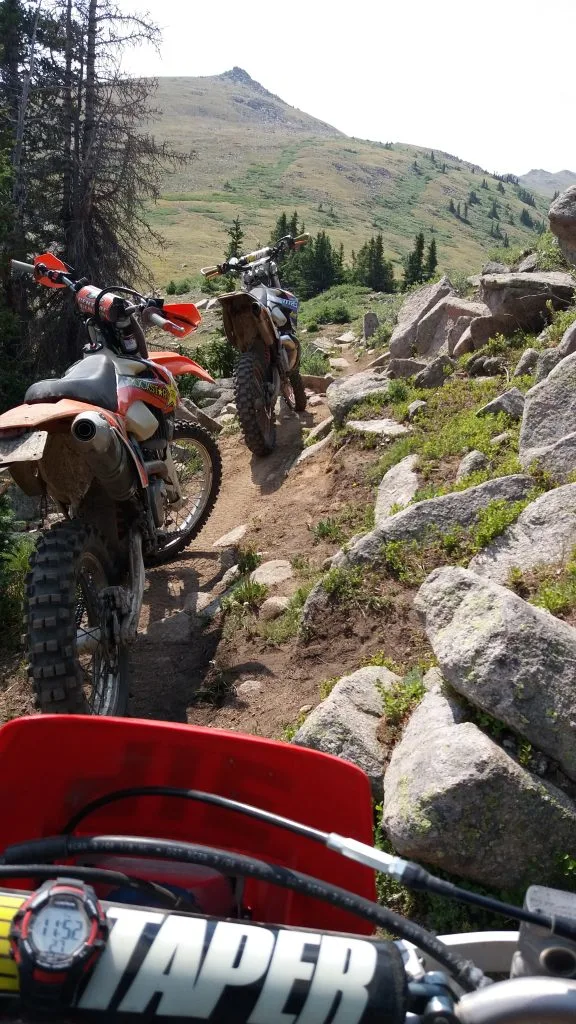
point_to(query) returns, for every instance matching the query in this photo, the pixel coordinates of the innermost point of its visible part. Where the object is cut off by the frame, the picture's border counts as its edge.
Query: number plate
(27, 447)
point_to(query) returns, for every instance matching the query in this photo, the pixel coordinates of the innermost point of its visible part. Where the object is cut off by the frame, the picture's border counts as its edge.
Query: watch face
(59, 930)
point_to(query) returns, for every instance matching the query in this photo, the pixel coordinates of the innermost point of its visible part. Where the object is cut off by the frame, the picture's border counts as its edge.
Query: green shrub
(15, 552)
(247, 594)
(312, 361)
(179, 287)
(218, 357)
(335, 312)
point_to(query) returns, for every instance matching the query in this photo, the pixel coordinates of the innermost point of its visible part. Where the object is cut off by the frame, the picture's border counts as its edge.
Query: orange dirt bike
(134, 484)
(260, 322)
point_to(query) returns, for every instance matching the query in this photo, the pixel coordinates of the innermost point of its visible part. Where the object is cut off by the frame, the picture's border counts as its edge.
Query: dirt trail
(279, 505)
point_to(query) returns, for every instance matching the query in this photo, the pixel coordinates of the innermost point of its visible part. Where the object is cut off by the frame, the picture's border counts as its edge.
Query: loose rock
(439, 515)
(313, 449)
(508, 658)
(547, 432)
(273, 607)
(546, 362)
(525, 296)
(568, 344)
(471, 463)
(232, 538)
(277, 570)
(344, 393)
(543, 534)
(415, 407)
(527, 362)
(398, 487)
(320, 430)
(404, 367)
(346, 723)
(511, 403)
(346, 339)
(529, 264)
(435, 375)
(339, 364)
(562, 217)
(411, 313)
(371, 325)
(385, 427)
(318, 384)
(455, 799)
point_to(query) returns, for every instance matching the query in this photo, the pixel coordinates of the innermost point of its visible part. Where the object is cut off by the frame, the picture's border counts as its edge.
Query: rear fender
(179, 365)
(246, 321)
(55, 418)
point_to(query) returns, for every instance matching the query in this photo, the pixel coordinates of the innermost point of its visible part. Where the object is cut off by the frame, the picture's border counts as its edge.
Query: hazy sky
(491, 81)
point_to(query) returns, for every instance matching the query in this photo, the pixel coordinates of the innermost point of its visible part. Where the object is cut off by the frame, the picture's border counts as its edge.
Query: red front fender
(178, 365)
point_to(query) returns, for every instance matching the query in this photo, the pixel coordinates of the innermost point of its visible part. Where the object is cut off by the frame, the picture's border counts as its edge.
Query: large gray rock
(404, 367)
(493, 267)
(562, 217)
(278, 570)
(412, 311)
(346, 723)
(485, 327)
(511, 403)
(397, 487)
(549, 421)
(453, 798)
(370, 325)
(529, 264)
(433, 329)
(546, 362)
(525, 296)
(568, 344)
(438, 515)
(434, 376)
(344, 393)
(455, 334)
(543, 534)
(527, 362)
(508, 658)
(382, 427)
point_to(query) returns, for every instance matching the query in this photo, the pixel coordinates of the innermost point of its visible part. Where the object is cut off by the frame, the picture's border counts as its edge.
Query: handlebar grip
(165, 325)
(18, 269)
(210, 271)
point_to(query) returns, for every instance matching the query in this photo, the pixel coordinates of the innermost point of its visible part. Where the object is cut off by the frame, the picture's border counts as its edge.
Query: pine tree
(236, 236)
(501, 188)
(506, 242)
(458, 211)
(465, 211)
(280, 229)
(555, 196)
(451, 206)
(414, 263)
(484, 183)
(526, 219)
(431, 260)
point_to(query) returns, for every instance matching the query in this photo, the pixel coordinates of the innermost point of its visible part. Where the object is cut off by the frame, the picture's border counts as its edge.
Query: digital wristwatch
(55, 939)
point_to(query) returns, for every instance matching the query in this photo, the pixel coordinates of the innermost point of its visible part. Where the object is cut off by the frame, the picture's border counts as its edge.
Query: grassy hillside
(547, 183)
(256, 156)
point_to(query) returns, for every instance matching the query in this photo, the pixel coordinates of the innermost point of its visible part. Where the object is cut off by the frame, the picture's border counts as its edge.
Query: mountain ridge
(258, 156)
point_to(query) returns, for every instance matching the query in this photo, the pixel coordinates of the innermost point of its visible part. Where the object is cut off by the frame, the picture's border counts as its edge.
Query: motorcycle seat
(92, 380)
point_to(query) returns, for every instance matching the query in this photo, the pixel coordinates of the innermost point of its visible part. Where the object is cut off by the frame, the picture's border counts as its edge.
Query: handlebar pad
(18, 269)
(201, 969)
(247, 971)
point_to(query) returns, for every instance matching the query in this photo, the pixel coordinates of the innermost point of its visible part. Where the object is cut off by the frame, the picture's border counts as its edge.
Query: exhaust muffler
(106, 456)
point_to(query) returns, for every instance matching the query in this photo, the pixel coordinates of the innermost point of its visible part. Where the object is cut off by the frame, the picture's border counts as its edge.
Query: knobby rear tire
(249, 379)
(51, 605)
(193, 432)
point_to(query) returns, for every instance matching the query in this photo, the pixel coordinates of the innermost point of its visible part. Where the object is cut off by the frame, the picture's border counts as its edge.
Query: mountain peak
(241, 77)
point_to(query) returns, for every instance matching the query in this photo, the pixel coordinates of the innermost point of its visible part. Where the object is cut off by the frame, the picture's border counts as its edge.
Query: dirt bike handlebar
(150, 317)
(19, 269)
(238, 263)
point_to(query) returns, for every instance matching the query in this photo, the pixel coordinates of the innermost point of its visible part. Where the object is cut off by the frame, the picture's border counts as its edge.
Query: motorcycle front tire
(254, 408)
